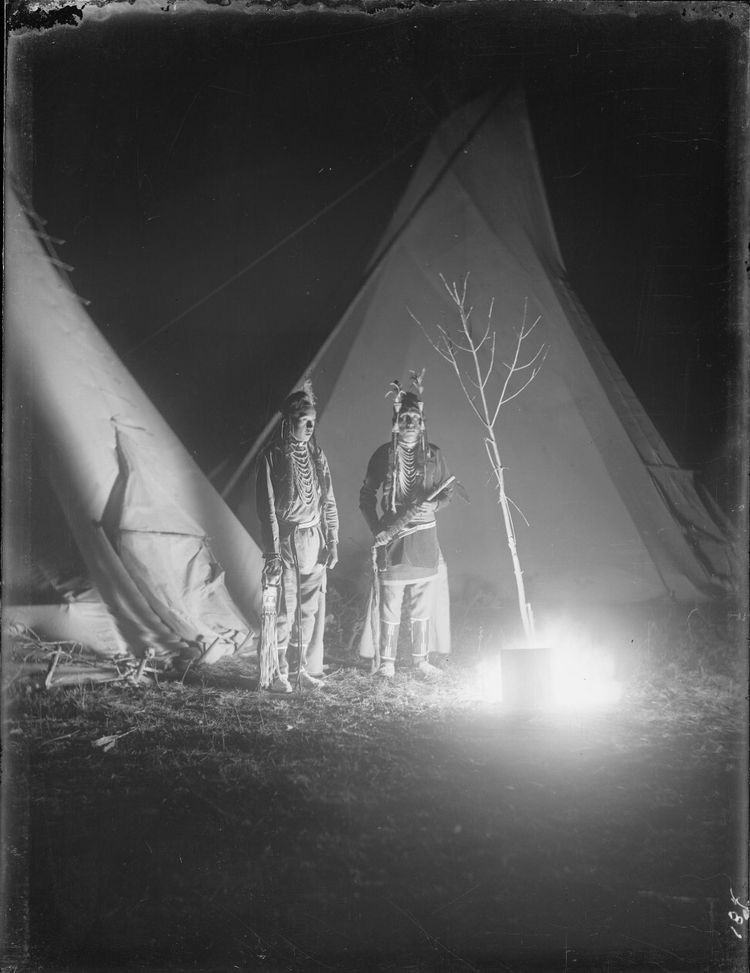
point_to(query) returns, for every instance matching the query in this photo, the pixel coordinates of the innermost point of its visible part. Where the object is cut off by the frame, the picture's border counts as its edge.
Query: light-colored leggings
(309, 545)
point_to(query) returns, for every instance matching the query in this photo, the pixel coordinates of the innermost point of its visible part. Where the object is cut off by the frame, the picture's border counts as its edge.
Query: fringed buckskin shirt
(280, 505)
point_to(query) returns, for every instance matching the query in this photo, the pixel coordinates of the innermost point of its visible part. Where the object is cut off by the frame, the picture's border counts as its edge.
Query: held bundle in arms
(408, 515)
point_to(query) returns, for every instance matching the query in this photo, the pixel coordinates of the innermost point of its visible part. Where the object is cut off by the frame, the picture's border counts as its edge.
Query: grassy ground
(198, 825)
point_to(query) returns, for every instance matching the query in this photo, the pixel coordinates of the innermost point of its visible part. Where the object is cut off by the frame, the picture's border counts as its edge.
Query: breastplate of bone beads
(408, 475)
(304, 474)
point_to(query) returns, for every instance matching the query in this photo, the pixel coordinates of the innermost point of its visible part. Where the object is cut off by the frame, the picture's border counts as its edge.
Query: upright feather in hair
(307, 388)
(417, 381)
(395, 390)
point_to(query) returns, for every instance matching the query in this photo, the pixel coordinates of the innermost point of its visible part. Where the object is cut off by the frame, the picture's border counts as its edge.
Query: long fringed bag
(268, 661)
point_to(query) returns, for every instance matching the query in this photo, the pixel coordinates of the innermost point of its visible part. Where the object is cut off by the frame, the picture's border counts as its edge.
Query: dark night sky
(170, 151)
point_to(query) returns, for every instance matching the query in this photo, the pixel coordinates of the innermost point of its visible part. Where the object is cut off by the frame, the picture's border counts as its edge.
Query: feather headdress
(300, 401)
(397, 393)
(404, 400)
(417, 382)
(307, 388)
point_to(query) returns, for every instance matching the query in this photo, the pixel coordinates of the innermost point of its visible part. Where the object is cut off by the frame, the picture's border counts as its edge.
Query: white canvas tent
(612, 518)
(163, 552)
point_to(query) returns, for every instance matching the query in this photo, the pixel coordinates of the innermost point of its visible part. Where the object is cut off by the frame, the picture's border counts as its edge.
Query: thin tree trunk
(523, 605)
(493, 452)
(447, 348)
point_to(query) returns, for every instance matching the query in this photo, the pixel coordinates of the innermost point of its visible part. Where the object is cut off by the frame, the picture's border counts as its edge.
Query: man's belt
(404, 532)
(308, 523)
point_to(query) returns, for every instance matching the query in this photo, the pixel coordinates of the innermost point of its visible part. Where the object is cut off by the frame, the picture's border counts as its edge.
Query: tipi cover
(164, 553)
(611, 517)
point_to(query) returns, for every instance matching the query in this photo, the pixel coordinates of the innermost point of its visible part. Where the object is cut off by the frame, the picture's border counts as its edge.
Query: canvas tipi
(611, 516)
(169, 568)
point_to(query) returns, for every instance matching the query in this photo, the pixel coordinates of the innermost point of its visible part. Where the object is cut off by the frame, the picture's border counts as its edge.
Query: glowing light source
(583, 679)
(489, 683)
(581, 673)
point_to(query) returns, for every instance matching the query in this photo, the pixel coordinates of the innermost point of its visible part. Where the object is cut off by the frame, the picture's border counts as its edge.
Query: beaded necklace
(304, 474)
(408, 472)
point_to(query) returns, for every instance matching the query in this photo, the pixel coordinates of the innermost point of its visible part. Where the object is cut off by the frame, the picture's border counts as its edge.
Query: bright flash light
(489, 682)
(581, 673)
(583, 679)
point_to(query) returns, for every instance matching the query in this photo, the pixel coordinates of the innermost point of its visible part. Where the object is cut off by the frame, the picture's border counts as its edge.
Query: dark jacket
(412, 555)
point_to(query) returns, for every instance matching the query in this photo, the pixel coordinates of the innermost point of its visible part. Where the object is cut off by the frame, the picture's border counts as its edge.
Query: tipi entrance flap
(166, 552)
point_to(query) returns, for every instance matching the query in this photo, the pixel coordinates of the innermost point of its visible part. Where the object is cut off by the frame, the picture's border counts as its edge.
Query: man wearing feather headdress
(406, 475)
(299, 527)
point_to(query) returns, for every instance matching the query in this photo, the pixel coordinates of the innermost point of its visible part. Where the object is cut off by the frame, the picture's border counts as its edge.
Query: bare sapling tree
(473, 361)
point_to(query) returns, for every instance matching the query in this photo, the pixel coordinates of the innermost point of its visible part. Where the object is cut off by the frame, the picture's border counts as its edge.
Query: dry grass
(687, 669)
(192, 822)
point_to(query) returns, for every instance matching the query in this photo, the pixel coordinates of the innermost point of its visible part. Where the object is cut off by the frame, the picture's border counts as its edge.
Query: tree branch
(476, 374)
(523, 515)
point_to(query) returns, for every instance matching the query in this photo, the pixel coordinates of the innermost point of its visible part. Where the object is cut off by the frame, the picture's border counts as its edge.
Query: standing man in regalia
(299, 527)
(411, 481)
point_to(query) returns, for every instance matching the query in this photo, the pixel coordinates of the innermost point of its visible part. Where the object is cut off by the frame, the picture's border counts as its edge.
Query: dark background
(173, 151)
